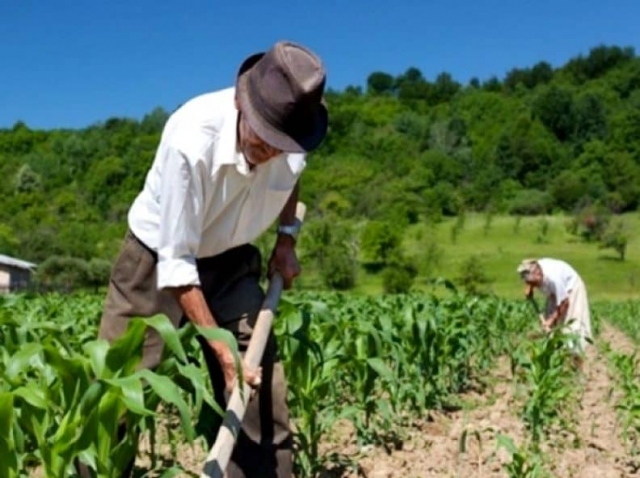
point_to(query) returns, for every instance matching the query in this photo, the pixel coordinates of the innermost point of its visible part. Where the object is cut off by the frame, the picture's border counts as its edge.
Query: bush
(398, 277)
(531, 202)
(473, 276)
(590, 222)
(98, 272)
(543, 230)
(331, 244)
(431, 258)
(63, 273)
(379, 241)
(339, 269)
(615, 237)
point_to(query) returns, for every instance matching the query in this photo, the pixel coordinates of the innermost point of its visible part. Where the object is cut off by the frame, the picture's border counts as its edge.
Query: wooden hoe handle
(220, 453)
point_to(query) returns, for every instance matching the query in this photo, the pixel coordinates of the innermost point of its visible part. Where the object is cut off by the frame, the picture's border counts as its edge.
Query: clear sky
(71, 63)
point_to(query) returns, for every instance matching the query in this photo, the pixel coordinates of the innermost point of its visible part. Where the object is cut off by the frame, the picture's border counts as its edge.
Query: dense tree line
(402, 149)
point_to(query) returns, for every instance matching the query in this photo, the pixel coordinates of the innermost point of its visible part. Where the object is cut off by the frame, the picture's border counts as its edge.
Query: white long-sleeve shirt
(200, 198)
(558, 278)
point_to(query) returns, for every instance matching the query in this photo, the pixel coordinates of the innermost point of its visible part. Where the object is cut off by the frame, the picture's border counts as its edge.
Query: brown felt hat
(280, 94)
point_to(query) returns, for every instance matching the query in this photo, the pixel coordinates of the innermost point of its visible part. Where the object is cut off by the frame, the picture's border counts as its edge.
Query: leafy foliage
(373, 361)
(406, 149)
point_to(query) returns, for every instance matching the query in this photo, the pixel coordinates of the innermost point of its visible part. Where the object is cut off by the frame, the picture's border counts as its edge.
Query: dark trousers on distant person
(230, 283)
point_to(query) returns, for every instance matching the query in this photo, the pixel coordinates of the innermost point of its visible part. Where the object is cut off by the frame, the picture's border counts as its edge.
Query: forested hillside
(403, 149)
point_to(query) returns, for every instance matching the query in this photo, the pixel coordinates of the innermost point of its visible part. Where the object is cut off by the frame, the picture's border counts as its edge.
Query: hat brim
(287, 141)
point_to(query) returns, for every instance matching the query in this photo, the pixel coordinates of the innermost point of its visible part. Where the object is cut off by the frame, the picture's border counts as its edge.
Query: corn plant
(623, 315)
(64, 402)
(549, 382)
(377, 362)
(310, 372)
(525, 463)
(402, 355)
(629, 404)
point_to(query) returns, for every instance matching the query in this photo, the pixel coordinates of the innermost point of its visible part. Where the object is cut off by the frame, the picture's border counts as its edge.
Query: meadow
(500, 242)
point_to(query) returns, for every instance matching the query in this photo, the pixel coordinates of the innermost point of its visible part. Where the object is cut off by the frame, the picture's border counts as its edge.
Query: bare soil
(432, 445)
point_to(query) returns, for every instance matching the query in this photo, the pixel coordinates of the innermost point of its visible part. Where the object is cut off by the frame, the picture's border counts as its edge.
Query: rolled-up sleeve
(180, 225)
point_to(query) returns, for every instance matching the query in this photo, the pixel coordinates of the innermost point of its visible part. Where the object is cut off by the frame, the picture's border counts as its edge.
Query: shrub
(473, 276)
(531, 202)
(339, 269)
(398, 276)
(615, 237)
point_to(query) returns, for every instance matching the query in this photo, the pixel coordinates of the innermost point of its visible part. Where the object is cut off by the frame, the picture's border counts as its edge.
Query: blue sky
(71, 63)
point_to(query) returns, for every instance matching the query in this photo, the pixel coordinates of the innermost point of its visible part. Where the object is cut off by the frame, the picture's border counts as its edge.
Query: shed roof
(13, 262)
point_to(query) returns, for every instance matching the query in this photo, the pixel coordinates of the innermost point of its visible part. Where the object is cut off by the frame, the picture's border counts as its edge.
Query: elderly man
(226, 168)
(566, 294)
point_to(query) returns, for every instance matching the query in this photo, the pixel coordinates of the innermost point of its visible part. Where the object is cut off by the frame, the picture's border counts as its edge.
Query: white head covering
(526, 267)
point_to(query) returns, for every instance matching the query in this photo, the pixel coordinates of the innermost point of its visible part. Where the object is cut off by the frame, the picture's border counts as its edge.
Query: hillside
(404, 150)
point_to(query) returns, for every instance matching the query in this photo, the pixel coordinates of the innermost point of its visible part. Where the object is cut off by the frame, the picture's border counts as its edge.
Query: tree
(330, 243)
(591, 222)
(63, 273)
(492, 84)
(340, 268)
(26, 180)
(576, 186)
(590, 118)
(615, 237)
(380, 83)
(555, 108)
(378, 242)
(526, 152)
(625, 131)
(398, 277)
(103, 177)
(444, 89)
(530, 202)
(154, 121)
(541, 73)
(412, 86)
(600, 60)
(473, 276)
(8, 240)
(409, 150)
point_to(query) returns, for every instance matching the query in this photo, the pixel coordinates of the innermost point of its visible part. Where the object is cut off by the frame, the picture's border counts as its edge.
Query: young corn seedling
(65, 402)
(524, 463)
(549, 381)
(629, 404)
(310, 373)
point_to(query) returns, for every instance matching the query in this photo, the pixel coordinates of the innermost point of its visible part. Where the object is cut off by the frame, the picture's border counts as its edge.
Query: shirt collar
(227, 152)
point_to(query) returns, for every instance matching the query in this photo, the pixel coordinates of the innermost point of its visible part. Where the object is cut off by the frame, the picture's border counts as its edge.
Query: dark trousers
(230, 283)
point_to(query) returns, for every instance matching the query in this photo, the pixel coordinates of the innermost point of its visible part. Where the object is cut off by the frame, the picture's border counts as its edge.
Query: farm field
(413, 386)
(501, 242)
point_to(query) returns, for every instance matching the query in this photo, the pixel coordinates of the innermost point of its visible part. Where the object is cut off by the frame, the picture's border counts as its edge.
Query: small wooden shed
(15, 274)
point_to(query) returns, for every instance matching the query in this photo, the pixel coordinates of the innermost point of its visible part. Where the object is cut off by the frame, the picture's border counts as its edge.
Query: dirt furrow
(432, 447)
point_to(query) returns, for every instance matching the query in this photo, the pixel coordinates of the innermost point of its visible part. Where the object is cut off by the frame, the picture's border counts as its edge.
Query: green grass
(501, 248)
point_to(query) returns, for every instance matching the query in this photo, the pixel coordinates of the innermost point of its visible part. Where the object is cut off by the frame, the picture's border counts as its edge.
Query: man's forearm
(288, 213)
(557, 315)
(193, 304)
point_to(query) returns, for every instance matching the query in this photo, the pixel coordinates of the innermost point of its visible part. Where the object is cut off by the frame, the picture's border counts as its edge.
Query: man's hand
(528, 291)
(541, 319)
(548, 323)
(284, 260)
(194, 305)
(253, 378)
